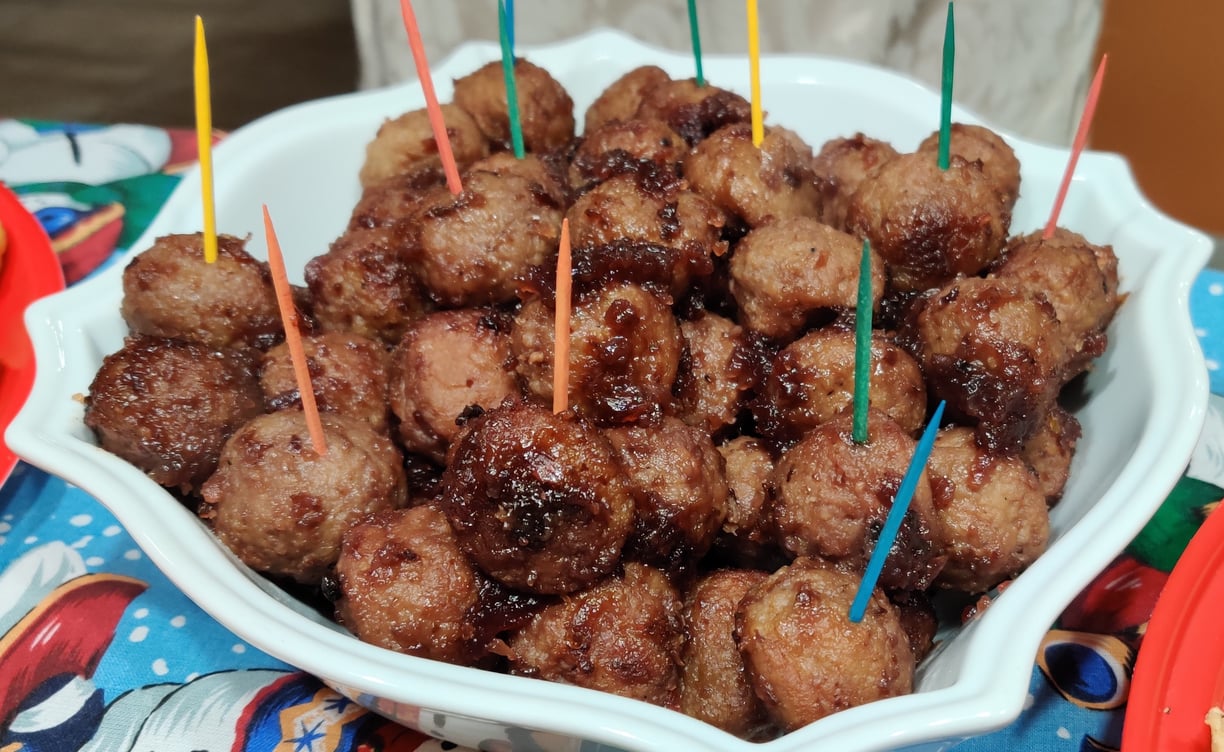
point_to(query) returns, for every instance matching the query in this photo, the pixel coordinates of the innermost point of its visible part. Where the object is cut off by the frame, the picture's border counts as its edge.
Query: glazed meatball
(812, 380)
(406, 585)
(348, 374)
(537, 500)
(749, 467)
(723, 365)
(406, 144)
(281, 507)
(994, 351)
(473, 246)
(546, 173)
(976, 143)
(714, 687)
(833, 495)
(625, 348)
(447, 362)
(805, 659)
(990, 511)
(930, 225)
(167, 406)
(366, 284)
(621, 100)
(621, 636)
(169, 290)
(756, 184)
(693, 111)
(790, 270)
(679, 485)
(546, 112)
(613, 145)
(1050, 448)
(393, 203)
(840, 166)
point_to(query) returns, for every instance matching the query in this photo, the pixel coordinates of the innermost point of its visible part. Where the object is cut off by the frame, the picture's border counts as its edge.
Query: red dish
(30, 270)
(1179, 674)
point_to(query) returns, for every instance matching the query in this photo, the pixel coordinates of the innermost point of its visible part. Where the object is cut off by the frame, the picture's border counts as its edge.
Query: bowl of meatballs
(668, 562)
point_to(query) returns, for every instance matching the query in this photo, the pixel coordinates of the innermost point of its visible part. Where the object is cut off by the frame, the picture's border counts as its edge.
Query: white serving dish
(1148, 403)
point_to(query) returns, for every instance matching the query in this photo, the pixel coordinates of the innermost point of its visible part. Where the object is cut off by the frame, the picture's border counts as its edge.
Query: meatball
(833, 495)
(447, 362)
(756, 184)
(406, 144)
(393, 203)
(546, 112)
(990, 511)
(348, 374)
(537, 500)
(788, 271)
(840, 166)
(723, 365)
(679, 484)
(812, 380)
(366, 284)
(546, 173)
(805, 659)
(693, 111)
(714, 687)
(930, 225)
(406, 585)
(473, 246)
(993, 350)
(614, 145)
(919, 620)
(1049, 450)
(167, 406)
(749, 467)
(281, 507)
(976, 143)
(621, 636)
(169, 290)
(625, 348)
(621, 100)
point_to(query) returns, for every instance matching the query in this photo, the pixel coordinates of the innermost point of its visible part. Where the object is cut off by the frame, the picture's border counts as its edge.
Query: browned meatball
(785, 272)
(812, 380)
(1049, 450)
(840, 166)
(621, 636)
(990, 512)
(806, 660)
(919, 620)
(406, 144)
(714, 687)
(169, 290)
(546, 112)
(407, 586)
(749, 468)
(930, 225)
(1078, 278)
(833, 495)
(693, 111)
(545, 172)
(756, 184)
(621, 100)
(348, 374)
(679, 485)
(722, 366)
(537, 500)
(473, 246)
(625, 348)
(167, 406)
(366, 284)
(980, 144)
(447, 362)
(281, 507)
(394, 202)
(613, 145)
(994, 351)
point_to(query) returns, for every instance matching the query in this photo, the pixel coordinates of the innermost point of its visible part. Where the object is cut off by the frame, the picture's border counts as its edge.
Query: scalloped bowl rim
(986, 686)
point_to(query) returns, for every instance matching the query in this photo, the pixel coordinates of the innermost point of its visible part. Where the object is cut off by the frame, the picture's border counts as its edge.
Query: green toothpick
(862, 348)
(516, 128)
(945, 111)
(696, 34)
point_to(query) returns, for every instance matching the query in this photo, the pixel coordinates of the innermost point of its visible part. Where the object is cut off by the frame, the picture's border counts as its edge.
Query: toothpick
(754, 67)
(512, 108)
(1081, 139)
(203, 112)
(945, 92)
(436, 122)
(862, 348)
(561, 327)
(695, 33)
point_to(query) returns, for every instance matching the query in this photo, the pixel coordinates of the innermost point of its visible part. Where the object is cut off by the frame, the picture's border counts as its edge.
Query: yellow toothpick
(203, 109)
(754, 63)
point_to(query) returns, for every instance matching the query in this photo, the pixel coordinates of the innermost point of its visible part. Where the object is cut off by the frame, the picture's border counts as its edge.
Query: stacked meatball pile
(691, 531)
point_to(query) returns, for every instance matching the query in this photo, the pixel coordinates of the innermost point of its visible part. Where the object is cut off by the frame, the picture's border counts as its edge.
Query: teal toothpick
(945, 89)
(695, 31)
(516, 128)
(862, 348)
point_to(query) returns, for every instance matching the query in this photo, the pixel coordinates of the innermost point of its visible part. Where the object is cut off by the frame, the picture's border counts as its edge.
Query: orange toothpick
(561, 329)
(1081, 138)
(203, 112)
(289, 317)
(436, 122)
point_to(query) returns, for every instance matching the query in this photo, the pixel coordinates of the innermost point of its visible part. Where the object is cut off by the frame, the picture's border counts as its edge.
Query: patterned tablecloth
(139, 667)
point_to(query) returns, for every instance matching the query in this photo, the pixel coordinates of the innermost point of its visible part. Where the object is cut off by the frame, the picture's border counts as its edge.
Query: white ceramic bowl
(1140, 425)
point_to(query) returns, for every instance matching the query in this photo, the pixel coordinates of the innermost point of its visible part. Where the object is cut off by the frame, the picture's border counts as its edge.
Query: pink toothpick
(1081, 138)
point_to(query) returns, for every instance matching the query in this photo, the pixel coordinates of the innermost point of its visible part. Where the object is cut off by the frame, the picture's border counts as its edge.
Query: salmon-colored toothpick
(561, 327)
(1081, 139)
(436, 121)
